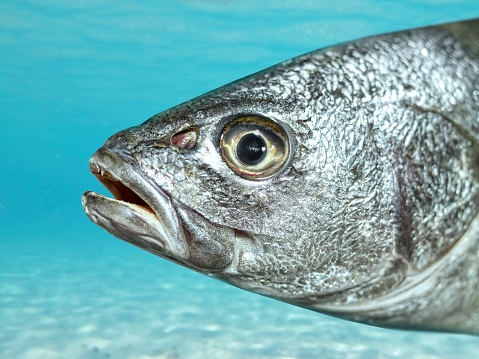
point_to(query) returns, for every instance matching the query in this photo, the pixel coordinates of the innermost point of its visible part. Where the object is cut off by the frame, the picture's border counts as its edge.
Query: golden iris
(255, 147)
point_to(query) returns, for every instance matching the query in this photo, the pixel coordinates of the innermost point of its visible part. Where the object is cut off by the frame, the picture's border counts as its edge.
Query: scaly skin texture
(374, 218)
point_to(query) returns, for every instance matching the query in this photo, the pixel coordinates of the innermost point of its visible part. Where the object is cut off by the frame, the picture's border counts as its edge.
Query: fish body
(345, 181)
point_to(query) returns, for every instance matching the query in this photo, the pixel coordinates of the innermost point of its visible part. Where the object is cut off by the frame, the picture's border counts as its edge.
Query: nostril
(186, 138)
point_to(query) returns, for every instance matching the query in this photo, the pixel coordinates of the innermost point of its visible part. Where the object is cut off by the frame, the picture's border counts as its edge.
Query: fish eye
(255, 147)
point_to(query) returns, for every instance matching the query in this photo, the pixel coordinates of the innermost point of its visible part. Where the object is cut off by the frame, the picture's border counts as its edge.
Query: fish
(344, 181)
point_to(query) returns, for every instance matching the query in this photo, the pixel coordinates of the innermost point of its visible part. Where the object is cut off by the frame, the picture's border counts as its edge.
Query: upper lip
(120, 186)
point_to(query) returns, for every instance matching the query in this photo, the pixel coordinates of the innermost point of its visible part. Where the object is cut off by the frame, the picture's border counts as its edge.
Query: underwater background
(72, 73)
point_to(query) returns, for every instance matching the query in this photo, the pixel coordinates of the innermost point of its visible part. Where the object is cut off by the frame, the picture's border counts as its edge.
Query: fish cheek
(210, 246)
(210, 255)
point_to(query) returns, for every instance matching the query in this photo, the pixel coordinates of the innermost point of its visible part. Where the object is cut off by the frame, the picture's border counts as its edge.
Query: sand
(111, 300)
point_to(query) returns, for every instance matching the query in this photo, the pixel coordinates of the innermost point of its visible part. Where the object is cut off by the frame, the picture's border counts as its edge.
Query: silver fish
(345, 181)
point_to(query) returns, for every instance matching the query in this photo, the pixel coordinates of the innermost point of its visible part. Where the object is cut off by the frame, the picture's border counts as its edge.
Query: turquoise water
(74, 73)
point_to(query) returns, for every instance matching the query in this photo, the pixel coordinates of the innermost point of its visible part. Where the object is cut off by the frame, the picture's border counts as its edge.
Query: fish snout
(120, 142)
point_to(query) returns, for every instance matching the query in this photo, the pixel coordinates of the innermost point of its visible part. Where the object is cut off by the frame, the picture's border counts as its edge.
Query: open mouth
(118, 189)
(140, 212)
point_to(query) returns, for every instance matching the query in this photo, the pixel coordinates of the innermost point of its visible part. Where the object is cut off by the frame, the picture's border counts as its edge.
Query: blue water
(74, 73)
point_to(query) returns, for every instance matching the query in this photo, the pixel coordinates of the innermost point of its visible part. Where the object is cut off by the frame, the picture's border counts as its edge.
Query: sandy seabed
(124, 303)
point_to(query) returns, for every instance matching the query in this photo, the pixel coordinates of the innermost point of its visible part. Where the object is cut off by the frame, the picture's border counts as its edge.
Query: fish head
(236, 184)
(292, 183)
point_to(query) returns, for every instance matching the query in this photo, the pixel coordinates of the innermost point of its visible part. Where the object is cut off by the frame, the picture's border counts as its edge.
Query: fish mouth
(140, 212)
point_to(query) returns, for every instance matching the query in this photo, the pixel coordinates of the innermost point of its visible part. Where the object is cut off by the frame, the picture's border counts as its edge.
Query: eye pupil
(251, 149)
